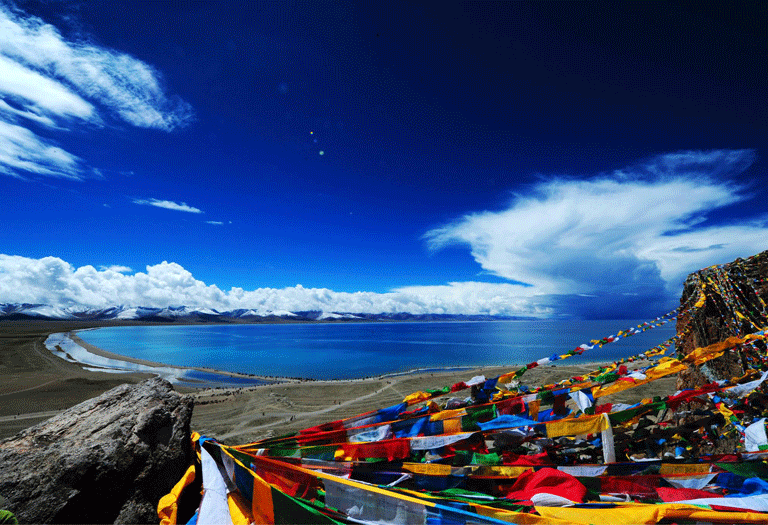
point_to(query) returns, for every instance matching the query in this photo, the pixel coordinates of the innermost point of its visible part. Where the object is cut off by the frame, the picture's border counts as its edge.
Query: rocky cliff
(734, 304)
(107, 460)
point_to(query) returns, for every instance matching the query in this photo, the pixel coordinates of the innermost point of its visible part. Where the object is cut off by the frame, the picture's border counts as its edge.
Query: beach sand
(237, 416)
(36, 385)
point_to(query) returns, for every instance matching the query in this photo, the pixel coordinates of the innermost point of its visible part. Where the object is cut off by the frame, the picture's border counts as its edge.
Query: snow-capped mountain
(43, 310)
(170, 313)
(17, 311)
(259, 312)
(334, 315)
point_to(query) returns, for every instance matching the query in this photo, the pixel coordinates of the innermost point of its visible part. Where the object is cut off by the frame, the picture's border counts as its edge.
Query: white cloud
(29, 114)
(475, 298)
(50, 81)
(115, 268)
(217, 223)
(39, 92)
(617, 245)
(51, 280)
(639, 227)
(168, 205)
(23, 151)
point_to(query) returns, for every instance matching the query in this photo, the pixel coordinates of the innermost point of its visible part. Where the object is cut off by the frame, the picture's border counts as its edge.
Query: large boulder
(107, 460)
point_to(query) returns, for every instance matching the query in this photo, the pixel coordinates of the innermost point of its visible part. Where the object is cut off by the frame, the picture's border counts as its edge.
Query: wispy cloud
(635, 230)
(49, 83)
(168, 205)
(217, 223)
(22, 151)
(39, 94)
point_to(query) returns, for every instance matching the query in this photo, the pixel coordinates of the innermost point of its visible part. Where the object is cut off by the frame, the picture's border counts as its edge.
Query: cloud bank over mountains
(615, 245)
(608, 246)
(50, 83)
(51, 280)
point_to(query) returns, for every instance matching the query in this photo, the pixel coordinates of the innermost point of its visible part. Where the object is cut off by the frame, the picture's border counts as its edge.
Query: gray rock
(107, 460)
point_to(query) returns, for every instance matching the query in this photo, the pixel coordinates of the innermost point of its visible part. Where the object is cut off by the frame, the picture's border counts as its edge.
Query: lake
(356, 350)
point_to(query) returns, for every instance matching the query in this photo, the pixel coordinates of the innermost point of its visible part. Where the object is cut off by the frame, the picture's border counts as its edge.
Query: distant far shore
(37, 384)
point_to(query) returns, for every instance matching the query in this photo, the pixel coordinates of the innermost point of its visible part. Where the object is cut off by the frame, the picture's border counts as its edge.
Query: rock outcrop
(106, 460)
(739, 286)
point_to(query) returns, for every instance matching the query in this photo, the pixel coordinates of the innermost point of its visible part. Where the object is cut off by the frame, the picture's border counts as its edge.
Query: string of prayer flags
(510, 453)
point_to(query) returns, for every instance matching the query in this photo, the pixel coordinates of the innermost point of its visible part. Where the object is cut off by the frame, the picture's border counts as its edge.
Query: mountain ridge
(41, 311)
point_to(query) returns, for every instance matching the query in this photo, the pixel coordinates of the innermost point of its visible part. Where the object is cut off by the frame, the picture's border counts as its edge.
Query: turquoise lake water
(356, 350)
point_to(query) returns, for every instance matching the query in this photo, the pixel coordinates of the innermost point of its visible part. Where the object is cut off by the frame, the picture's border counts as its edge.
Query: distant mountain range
(23, 311)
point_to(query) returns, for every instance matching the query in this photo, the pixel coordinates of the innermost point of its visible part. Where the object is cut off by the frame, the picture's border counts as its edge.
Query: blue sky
(549, 159)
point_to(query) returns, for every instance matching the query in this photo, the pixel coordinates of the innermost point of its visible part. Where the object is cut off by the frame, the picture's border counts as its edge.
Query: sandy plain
(35, 385)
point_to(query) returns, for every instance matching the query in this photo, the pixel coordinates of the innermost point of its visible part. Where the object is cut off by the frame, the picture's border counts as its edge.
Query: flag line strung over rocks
(511, 453)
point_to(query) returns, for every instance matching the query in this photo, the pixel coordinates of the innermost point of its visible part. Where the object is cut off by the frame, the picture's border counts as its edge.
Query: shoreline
(239, 414)
(286, 379)
(274, 380)
(265, 381)
(152, 364)
(270, 379)
(38, 384)
(588, 360)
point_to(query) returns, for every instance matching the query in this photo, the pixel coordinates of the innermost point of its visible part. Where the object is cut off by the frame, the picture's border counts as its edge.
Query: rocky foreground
(107, 460)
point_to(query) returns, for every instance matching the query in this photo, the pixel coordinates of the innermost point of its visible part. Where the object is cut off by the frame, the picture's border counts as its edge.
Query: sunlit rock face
(106, 460)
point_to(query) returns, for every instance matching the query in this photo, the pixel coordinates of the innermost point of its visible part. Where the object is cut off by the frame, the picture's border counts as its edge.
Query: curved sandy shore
(161, 366)
(37, 384)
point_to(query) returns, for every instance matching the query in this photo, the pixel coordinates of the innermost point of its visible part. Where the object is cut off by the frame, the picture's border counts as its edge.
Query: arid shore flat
(37, 384)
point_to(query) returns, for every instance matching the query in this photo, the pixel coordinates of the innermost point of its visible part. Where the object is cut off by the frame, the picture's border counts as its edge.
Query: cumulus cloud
(638, 230)
(116, 268)
(615, 245)
(51, 280)
(49, 83)
(168, 205)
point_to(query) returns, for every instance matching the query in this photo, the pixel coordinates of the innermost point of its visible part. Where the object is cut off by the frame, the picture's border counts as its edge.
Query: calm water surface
(355, 350)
